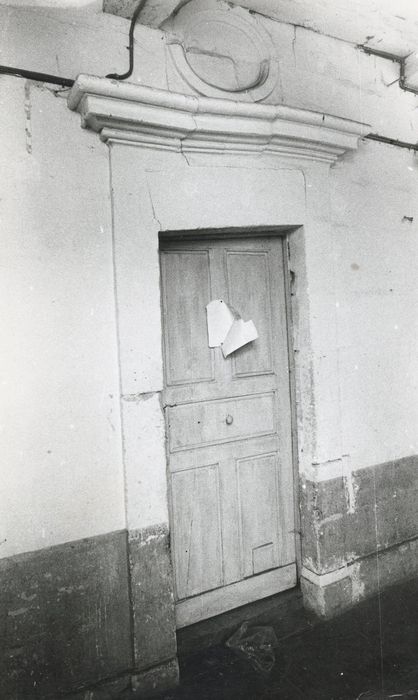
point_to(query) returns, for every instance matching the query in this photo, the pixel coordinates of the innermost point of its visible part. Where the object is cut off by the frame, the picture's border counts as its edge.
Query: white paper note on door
(220, 320)
(227, 329)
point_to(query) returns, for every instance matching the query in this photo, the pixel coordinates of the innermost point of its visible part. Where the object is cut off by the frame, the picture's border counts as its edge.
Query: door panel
(198, 541)
(249, 288)
(187, 359)
(206, 422)
(259, 504)
(229, 428)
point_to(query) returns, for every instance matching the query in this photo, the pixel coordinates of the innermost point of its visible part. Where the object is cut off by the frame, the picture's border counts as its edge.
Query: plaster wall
(61, 447)
(316, 72)
(66, 42)
(64, 379)
(375, 222)
(321, 73)
(61, 437)
(362, 296)
(349, 22)
(325, 74)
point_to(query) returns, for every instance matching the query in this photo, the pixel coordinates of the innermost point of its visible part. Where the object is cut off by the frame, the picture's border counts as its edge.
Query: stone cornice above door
(160, 119)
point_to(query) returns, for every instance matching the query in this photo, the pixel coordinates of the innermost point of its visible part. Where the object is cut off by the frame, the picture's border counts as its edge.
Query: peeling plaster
(28, 117)
(142, 396)
(357, 585)
(351, 488)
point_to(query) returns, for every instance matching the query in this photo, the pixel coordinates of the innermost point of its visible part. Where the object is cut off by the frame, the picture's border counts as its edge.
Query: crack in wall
(154, 215)
(28, 117)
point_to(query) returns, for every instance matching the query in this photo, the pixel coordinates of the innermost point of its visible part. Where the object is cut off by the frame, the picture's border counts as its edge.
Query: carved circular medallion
(223, 52)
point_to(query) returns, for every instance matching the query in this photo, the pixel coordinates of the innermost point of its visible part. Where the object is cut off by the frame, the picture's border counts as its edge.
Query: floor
(369, 652)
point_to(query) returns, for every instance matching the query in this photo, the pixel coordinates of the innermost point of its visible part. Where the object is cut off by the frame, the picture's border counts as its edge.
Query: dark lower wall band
(152, 596)
(64, 617)
(101, 610)
(76, 614)
(361, 537)
(383, 512)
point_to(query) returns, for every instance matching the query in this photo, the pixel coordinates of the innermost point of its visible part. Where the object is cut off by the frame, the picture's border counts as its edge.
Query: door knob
(229, 420)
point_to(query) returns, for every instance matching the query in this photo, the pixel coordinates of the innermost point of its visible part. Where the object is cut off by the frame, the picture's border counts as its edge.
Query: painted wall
(60, 416)
(374, 243)
(375, 216)
(60, 410)
(63, 478)
(56, 218)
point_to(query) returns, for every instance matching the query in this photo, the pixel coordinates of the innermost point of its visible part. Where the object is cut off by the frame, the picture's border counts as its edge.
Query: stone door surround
(189, 163)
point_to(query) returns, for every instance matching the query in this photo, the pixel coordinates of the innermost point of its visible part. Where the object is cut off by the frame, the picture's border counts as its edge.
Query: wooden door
(228, 427)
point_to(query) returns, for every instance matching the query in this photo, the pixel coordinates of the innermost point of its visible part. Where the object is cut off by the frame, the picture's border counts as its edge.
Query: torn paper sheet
(226, 328)
(240, 333)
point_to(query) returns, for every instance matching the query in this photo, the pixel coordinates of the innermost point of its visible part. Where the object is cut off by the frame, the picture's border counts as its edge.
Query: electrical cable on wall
(69, 82)
(134, 19)
(35, 75)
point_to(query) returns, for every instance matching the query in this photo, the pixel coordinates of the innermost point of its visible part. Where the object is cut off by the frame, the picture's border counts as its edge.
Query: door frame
(166, 192)
(186, 162)
(283, 233)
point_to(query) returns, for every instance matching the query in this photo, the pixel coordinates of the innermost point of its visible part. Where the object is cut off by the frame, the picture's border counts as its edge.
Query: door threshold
(283, 611)
(220, 600)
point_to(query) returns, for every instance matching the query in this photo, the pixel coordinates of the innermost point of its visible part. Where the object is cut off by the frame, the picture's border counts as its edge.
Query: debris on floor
(369, 652)
(256, 644)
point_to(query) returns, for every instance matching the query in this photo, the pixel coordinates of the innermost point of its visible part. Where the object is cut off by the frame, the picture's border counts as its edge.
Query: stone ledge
(166, 120)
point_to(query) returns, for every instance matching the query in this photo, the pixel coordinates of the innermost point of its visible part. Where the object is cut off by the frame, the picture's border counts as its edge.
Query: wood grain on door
(228, 427)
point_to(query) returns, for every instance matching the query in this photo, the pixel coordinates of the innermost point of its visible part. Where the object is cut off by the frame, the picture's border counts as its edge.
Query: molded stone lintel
(160, 119)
